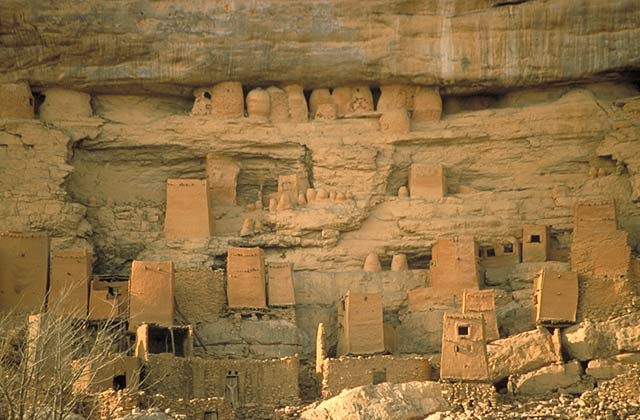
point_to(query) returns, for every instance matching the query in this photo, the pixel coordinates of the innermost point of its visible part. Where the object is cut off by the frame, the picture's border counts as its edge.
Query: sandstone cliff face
(100, 182)
(538, 136)
(513, 166)
(463, 46)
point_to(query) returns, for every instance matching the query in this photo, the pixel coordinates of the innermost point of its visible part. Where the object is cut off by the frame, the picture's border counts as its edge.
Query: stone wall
(194, 408)
(350, 372)
(260, 382)
(200, 294)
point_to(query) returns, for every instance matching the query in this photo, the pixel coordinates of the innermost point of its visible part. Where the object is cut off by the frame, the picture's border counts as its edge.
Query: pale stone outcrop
(114, 186)
(603, 369)
(463, 45)
(520, 353)
(559, 377)
(385, 401)
(590, 340)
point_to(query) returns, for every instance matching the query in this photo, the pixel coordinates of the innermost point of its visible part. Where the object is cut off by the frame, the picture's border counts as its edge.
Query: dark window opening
(491, 252)
(417, 261)
(119, 382)
(207, 95)
(375, 93)
(167, 340)
(480, 254)
(114, 291)
(38, 101)
(535, 239)
(307, 95)
(463, 330)
(210, 415)
(379, 376)
(508, 248)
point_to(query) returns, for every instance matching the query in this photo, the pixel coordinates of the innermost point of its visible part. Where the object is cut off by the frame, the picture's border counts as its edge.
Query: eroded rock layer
(171, 47)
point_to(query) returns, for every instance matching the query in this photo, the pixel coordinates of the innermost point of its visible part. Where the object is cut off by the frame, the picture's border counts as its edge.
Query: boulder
(412, 400)
(592, 340)
(603, 369)
(559, 377)
(520, 353)
(587, 341)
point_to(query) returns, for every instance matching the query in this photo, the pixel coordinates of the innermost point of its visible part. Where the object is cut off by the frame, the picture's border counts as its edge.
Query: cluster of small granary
(397, 107)
(145, 300)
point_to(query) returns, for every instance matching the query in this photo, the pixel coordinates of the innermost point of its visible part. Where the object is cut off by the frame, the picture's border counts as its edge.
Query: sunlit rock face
(170, 47)
(264, 163)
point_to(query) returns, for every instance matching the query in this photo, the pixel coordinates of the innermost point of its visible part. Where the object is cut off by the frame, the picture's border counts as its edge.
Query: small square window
(491, 252)
(508, 248)
(379, 376)
(463, 330)
(535, 239)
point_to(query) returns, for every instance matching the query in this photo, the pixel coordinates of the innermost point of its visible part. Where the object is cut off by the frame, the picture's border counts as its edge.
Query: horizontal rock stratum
(170, 47)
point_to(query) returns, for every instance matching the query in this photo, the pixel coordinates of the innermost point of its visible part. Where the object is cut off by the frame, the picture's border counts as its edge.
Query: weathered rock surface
(34, 165)
(614, 399)
(85, 157)
(593, 340)
(520, 353)
(559, 377)
(120, 175)
(385, 401)
(64, 104)
(602, 369)
(170, 48)
(109, 194)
